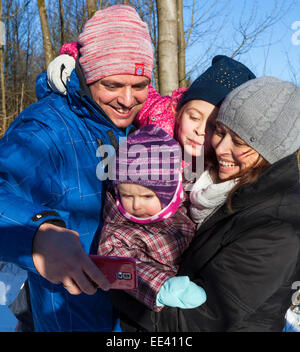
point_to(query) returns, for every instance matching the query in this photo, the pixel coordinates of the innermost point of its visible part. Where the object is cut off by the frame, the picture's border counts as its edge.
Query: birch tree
(167, 46)
(92, 7)
(62, 23)
(182, 82)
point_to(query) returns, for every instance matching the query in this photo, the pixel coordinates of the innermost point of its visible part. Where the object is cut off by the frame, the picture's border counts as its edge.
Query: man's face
(121, 97)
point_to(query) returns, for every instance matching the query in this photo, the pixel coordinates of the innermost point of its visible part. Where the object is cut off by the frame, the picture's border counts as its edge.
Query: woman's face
(233, 154)
(191, 125)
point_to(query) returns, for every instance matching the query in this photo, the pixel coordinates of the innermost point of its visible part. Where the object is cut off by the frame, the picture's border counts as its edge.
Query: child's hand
(180, 292)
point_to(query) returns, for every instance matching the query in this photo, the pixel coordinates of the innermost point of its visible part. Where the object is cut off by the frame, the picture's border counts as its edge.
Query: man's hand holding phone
(119, 271)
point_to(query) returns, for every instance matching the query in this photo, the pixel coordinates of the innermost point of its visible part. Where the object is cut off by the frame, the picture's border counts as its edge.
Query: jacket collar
(82, 104)
(277, 179)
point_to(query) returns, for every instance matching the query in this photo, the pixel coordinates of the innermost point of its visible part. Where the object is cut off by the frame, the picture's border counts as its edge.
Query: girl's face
(139, 201)
(233, 154)
(191, 125)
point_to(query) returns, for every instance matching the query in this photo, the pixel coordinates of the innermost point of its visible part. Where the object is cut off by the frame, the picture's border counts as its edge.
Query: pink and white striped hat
(115, 41)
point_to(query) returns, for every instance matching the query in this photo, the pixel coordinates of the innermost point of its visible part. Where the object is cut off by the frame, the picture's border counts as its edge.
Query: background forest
(186, 34)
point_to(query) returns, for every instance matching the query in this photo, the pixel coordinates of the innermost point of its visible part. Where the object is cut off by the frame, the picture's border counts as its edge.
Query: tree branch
(15, 14)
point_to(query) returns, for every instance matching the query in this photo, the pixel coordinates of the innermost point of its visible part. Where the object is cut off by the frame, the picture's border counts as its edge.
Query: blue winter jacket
(48, 163)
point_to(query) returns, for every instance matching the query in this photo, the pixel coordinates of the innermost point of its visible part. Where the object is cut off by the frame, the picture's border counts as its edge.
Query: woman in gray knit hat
(245, 254)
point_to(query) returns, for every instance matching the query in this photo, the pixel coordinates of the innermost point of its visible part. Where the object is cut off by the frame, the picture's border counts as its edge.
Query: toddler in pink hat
(145, 218)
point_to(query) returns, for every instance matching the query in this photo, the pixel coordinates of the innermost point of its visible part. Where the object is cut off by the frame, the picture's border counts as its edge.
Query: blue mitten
(180, 292)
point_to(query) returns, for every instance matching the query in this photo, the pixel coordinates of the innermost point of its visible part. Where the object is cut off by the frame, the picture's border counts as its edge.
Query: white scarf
(206, 196)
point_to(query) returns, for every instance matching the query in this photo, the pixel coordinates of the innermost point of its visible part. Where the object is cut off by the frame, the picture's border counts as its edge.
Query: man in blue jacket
(50, 196)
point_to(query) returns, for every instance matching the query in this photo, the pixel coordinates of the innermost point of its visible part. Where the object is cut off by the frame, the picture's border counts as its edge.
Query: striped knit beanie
(115, 41)
(151, 158)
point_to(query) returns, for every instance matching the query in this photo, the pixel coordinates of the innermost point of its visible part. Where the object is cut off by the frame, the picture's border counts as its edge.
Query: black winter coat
(245, 261)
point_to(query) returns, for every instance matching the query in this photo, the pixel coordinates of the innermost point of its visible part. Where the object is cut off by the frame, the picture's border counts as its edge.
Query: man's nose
(126, 97)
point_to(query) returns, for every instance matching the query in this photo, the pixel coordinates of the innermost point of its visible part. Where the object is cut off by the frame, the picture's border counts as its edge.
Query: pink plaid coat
(157, 247)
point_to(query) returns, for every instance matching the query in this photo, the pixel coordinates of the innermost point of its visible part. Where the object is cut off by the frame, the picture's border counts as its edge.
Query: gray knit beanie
(265, 113)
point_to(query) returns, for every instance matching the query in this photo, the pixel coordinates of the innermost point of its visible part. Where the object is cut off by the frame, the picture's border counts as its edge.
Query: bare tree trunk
(92, 7)
(181, 46)
(3, 97)
(48, 49)
(22, 97)
(167, 46)
(62, 24)
(125, 2)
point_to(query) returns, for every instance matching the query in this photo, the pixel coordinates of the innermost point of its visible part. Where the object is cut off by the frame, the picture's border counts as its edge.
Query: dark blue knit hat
(218, 81)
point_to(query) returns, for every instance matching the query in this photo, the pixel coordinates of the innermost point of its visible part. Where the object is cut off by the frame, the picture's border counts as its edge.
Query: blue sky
(273, 52)
(276, 51)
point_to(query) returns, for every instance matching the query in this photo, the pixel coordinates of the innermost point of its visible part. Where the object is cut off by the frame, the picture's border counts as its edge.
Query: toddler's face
(139, 201)
(191, 126)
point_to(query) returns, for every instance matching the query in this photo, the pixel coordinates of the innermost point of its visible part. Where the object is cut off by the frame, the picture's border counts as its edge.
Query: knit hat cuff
(128, 69)
(215, 97)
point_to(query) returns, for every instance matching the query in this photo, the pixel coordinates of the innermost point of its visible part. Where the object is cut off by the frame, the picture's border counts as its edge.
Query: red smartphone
(120, 271)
